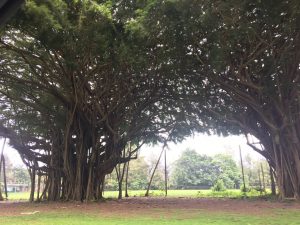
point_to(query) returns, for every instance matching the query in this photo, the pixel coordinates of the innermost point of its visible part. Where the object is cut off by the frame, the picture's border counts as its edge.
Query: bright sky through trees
(203, 144)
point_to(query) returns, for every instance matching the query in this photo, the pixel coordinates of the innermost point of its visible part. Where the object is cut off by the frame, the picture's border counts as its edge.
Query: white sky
(203, 144)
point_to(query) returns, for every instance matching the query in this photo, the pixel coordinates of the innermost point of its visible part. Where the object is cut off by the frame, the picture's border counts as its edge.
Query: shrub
(219, 186)
(246, 189)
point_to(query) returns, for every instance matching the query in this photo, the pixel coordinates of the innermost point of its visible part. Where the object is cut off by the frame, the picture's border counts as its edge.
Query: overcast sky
(203, 144)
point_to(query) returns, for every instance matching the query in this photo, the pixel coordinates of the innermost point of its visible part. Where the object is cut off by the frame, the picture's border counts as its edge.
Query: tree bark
(126, 181)
(39, 188)
(1, 163)
(166, 174)
(32, 190)
(4, 176)
(273, 185)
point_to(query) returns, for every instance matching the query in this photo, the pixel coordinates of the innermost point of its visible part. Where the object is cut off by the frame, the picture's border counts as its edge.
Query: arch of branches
(84, 84)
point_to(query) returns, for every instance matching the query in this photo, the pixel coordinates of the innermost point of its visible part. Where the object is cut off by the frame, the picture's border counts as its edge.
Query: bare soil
(149, 206)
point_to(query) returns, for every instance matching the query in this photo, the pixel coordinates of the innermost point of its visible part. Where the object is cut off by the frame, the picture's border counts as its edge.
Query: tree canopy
(77, 85)
(243, 59)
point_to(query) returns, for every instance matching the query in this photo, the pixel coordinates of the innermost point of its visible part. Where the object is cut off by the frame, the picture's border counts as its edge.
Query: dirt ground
(149, 206)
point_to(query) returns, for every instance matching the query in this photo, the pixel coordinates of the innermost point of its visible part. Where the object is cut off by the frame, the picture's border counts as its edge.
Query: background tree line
(13, 175)
(190, 171)
(195, 171)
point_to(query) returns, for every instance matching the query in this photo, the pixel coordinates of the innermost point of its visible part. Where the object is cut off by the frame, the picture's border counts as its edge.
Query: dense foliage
(195, 171)
(245, 55)
(78, 84)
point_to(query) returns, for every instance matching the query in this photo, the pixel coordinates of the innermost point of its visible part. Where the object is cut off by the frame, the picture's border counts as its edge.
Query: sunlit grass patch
(231, 193)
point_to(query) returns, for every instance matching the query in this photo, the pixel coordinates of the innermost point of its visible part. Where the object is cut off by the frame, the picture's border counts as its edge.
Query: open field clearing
(145, 211)
(159, 193)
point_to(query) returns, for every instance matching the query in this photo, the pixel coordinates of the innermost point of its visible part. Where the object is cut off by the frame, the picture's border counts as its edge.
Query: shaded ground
(152, 207)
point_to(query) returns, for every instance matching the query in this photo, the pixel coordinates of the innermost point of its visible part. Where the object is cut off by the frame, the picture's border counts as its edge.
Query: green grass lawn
(234, 193)
(150, 212)
(15, 196)
(171, 193)
(201, 218)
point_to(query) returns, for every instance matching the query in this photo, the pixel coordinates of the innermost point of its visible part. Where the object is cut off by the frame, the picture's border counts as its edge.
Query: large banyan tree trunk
(76, 171)
(259, 82)
(287, 162)
(75, 92)
(280, 147)
(74, 160)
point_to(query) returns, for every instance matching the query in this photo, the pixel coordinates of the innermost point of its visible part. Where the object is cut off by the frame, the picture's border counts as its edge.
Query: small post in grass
(166, 173)
(2, 163)
(242, 165)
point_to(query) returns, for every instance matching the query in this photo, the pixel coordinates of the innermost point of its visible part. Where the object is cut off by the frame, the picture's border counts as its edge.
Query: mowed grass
(171, 193)
(150, 214)
(16, 196)
(200, 218)
(233, 193)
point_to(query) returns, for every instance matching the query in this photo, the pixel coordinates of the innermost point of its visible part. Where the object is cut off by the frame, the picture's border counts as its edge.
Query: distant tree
(194, 170)
(111, 182)
(20, 175)
(228, 170)
(158, 178)
(138, 174)
(15, 174)
(257, 172)
(8, 168)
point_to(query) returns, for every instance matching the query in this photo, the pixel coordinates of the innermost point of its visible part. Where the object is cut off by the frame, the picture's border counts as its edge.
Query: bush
(219, 186)
(260, 189)
(246, 189)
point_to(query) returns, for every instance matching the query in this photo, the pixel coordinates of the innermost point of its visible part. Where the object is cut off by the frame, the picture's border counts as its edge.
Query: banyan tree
(77, 89)
(245, 57)
(84, 84)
